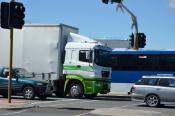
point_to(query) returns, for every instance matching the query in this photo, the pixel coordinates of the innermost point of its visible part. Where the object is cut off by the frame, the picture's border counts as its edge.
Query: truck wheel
(76, 90)
(152, 100)
(28, 93)
(90, 96)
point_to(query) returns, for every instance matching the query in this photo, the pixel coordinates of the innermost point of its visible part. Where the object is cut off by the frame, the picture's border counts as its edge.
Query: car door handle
(78, 66)
(158, 89)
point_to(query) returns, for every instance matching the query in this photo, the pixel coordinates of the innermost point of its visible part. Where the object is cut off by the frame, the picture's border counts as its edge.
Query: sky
(156, 18)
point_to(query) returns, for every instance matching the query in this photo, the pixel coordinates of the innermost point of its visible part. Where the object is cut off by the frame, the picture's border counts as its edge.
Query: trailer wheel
(76, 90)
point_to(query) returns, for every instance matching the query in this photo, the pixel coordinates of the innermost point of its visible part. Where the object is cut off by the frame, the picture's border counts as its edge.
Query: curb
(115, 95)
(24, 106)
(15, 104)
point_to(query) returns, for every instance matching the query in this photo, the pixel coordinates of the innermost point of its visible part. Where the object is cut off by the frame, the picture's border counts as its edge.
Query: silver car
(154, 90)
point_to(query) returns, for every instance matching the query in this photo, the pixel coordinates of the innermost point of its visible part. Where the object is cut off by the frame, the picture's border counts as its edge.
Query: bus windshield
(101, 57)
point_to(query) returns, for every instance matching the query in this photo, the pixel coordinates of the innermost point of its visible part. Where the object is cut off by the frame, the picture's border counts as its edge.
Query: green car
(23, 84)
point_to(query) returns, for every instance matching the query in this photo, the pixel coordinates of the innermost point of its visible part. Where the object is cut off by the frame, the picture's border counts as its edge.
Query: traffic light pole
(135, 24)
(10, 64)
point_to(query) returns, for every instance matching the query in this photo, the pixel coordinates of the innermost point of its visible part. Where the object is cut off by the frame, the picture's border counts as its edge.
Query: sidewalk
(15, 103)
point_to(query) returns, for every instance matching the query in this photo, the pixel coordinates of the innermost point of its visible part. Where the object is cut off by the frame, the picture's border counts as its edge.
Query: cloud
(172, 3)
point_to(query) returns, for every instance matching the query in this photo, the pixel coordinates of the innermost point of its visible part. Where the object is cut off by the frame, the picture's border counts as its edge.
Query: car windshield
(22, 73)
(101, 57)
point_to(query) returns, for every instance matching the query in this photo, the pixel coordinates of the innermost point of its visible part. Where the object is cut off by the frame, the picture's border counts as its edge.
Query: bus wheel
(76, 90)
(90, 96)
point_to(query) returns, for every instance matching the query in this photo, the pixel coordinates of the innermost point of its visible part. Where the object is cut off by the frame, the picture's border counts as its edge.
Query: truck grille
(105, 74)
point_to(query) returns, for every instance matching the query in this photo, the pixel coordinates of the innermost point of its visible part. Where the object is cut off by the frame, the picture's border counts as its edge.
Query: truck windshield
(101, 58)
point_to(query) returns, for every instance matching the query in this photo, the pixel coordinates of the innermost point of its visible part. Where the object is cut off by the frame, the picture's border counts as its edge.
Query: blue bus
(130, 65)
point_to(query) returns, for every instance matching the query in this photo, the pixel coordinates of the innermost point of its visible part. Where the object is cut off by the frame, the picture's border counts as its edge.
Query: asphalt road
(100, 106)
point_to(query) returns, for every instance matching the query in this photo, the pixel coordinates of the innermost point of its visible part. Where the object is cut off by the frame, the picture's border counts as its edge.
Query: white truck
(76, 65)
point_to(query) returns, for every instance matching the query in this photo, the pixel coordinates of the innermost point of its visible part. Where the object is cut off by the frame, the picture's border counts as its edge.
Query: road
(100, 106)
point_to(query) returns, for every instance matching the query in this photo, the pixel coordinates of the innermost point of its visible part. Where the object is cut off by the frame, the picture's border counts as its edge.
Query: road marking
(12, 113)
(46, 102)
(111, 108)
(80, 101)
(83, 114)
(132, 105)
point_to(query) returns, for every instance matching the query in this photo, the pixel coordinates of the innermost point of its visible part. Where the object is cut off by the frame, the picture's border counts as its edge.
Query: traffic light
(105, 1)
(117, 1)
(112, 1)
(16, 15)
(12, 15)
(5, 15)
(141, 40)
(132, 40)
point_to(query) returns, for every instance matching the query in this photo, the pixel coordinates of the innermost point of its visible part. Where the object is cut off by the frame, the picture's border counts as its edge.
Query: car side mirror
(6, 74)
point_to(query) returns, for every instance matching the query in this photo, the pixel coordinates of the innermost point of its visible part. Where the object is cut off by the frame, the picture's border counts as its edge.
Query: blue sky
(156, 18)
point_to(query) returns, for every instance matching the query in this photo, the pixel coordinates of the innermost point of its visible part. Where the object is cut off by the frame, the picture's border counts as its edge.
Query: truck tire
(90, 96)
(76, 90)
(28, 93)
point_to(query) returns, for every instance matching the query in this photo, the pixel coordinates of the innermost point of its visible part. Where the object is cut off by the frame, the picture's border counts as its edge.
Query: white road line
(80, 101)
(46, 102)
(83, 114)
(12, 113)
(132, 105)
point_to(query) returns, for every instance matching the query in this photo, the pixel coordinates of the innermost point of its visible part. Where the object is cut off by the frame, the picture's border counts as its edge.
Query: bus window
(149, 62)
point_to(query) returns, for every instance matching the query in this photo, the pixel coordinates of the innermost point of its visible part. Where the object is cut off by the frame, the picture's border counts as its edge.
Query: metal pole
(135, 24)
(10, 66)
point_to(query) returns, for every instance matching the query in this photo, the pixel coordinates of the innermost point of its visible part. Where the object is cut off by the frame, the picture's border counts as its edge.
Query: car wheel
(76, 90)
(90, 96)
(28, 93)
(152, 100)
(42, 97)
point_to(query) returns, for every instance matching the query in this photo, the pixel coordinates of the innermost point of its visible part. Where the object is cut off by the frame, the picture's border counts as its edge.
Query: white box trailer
(58, 53)
(36, 44)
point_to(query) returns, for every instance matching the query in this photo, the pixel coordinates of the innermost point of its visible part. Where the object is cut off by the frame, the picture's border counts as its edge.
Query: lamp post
(135, 24)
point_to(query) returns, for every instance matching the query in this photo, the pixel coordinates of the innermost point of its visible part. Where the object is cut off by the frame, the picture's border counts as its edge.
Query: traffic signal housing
(105, 1)
(17, 15)
(131, 40)
(5, 15)
(112, 1)
(141, 40)
(117, 1)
